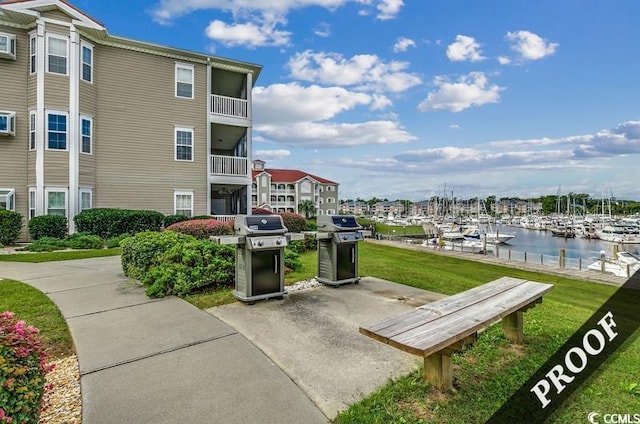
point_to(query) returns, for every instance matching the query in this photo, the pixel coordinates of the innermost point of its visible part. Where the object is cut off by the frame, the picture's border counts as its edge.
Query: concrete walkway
(160, 361)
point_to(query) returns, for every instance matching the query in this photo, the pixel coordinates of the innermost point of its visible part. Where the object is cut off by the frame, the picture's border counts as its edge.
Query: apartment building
(282, 190)
(88, 119)
(354, 207)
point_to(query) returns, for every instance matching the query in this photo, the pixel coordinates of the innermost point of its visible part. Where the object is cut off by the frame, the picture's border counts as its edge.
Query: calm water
(542, 242)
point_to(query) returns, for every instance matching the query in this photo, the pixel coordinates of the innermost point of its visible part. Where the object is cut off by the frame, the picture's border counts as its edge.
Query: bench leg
(437, 371)
(512, 326)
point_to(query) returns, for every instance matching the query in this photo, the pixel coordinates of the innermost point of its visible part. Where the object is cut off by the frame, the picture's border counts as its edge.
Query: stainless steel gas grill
(338, 237)
(259, 257)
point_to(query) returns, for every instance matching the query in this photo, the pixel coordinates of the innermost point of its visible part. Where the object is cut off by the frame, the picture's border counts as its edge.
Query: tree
(308, 208)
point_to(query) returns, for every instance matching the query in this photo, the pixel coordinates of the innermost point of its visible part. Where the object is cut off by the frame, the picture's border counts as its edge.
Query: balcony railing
(229, 106)
(224, 218)
(229, 165)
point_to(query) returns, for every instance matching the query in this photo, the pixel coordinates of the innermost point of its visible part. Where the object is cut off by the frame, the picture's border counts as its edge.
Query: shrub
(115, 241)
(84, 241)
(141, 252)
(203, 228)
(295, 223)
(292, 260)
(46, 244)
(10, 226)
(312, 225)
(48, 226)
(108, 223)
(22, 371)
(309, 243)
(202, 217)
(172, 219)
(190, 265)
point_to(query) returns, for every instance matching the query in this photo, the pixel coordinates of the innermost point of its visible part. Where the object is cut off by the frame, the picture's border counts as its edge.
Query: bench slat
(390, 327)
(438, 334)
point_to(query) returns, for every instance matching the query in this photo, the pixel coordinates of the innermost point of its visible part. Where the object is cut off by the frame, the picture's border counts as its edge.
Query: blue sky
(395, 99)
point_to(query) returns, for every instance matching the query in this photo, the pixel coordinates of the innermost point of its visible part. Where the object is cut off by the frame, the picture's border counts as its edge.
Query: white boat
(491, 237)
(619, 234)
(624, 265)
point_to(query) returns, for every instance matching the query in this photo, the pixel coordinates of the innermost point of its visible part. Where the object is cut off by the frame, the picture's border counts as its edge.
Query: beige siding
(13, 98)
(57, 29)
(56, 14)
(87, 170)
(56, 168)
(89, 107)
(134, 149)
(56, 92)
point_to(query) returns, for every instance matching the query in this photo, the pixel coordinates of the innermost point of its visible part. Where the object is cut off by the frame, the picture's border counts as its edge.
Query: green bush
(190, 265)
(203, 228)
(10, 226)
(309, 243)
(106, 223)
(295, 223)
(115, 241)
(202, 217)
(84, 241)
(46, 244)
(292, 260)
(312, 225)
(48, 226)
(141, 252)
(172, 219)
(23, 369)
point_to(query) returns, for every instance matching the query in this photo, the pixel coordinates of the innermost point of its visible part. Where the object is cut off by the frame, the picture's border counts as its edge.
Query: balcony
(229, 110)
(230, 170)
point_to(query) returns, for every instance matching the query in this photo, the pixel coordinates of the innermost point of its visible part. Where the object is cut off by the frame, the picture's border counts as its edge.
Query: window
(57, 54)
(184, 81)
(32, 202)
(183, 203)
(86, 70)
(86, 199)
(56, 202)
(33, 45)
(86, 134)
(32, 130)
(56, 131)
(7, 123)
(7, 198)
(8, 46)
(331, 200)
(184, 144)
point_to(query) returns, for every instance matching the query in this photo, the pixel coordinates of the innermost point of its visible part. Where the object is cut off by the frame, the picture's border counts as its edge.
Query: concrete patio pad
(313, 336)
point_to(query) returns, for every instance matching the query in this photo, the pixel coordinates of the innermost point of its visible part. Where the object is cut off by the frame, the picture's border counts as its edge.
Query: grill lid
(338, 223)
(249, 225)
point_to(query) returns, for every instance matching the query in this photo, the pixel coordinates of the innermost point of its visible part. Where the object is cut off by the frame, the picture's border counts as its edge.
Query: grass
(63, 255)
(35, 308)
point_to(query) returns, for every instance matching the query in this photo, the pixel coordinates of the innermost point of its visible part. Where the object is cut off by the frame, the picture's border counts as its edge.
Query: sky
(399, 99)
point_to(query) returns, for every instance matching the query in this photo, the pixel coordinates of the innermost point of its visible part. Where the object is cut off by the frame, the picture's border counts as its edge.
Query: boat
(565, 232)
(489, 236)
(619, 233)
(625, 264)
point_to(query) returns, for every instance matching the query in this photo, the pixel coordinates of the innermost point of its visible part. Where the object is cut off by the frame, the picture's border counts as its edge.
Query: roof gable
(291, 176)
(34, 6)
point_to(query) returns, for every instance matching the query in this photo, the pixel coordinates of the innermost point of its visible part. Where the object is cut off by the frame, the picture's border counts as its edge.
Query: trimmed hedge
(172, 219)
(295, 223)
(107, 223)
(10, 226)
(202, 228)
(55, 226)
(140, 253)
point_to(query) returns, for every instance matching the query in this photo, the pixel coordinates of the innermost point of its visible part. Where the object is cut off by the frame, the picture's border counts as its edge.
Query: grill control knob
(278, 241)
(345, 238)
(260, 243)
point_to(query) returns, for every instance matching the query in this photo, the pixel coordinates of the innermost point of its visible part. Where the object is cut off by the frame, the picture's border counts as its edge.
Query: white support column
(249, 137)
(209, 170)
(73, 130)
(40, 117)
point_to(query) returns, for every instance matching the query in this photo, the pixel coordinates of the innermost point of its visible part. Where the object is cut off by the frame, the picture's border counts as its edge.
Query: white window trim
(64, 190)
(33, 53)
(32, 202)
(11, 45)
(80, 193)
(32, 129)
(46, 125)
(175, 143)
(11, 194)
(177, 193)
(11, 122)
(66, 40)
(175, 85)
(80, 135)
(84, 44)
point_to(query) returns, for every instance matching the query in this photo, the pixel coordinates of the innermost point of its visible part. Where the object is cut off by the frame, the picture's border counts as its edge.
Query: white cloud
(530, 46)
(250, 34)
(323, 30)
(332, 134)
(504, 60)
(454, 126)
(402, 44)
(366, 72)
(272, 154)
(464, 48)
(469, 90)
(388, 9)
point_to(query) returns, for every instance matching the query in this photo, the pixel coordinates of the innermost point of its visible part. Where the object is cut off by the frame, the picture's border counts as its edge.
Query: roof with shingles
(290, 176)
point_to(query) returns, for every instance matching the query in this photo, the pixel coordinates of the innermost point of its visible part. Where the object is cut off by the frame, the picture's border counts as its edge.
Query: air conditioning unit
(7, 123)
(8, 46)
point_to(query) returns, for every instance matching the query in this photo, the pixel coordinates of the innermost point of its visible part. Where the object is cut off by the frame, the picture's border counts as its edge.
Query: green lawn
(63, 255)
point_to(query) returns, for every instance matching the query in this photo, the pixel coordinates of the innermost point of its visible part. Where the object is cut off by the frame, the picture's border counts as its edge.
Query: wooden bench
(438, 329)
